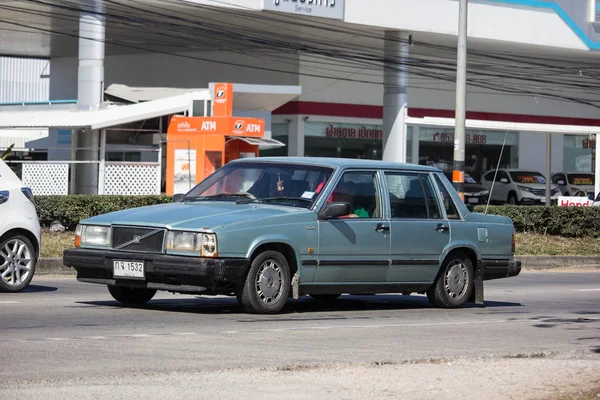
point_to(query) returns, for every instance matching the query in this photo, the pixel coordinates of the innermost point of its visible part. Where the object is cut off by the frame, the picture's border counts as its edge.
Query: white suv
(517, 186)
(19, 232)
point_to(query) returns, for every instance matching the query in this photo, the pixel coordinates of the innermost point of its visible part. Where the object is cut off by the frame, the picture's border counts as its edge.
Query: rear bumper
(498, 269)
(163, 272)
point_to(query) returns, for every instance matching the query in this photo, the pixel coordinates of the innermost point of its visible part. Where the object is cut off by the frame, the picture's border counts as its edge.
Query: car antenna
(496, 174)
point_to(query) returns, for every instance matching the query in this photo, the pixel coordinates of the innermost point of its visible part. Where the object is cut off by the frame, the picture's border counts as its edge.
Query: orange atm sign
(229, 126)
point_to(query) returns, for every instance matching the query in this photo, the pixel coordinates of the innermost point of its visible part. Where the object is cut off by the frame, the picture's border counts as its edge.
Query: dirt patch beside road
(520, 376)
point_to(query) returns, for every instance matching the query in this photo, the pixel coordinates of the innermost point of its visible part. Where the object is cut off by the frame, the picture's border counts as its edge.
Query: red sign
(353, 133)
(445, 137)
(589, 144)
(564, 201)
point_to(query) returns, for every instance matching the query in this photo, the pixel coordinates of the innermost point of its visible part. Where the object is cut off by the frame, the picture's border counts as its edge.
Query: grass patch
(54, 243)
(528, 244)
(531, 244)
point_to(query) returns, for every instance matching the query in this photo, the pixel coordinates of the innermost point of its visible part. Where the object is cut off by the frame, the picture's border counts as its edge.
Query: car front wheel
(17, 263)
(267, 284)
(454, 284)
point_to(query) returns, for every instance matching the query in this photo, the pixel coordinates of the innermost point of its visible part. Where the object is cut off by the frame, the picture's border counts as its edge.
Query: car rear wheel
(454, 285)
(512, 199)
(127, 295)
(17, 263)
(267, 284)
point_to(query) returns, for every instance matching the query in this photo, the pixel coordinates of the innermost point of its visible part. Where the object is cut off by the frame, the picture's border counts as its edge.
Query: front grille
(141, 240)
(539, 192)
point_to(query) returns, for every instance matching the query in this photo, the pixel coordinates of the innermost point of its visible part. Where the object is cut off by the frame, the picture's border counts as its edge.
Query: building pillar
(90, 90)
(395, 96)
(597, 167)
(296, 136)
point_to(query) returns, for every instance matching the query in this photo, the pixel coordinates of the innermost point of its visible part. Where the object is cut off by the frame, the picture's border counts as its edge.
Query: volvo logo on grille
(136, 239)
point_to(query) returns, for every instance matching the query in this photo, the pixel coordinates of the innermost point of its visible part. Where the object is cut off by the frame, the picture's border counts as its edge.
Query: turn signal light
(513, 243)
(77, 240)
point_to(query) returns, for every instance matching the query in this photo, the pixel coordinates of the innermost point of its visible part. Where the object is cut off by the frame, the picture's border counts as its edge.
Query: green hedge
(558, 221)
(69, 210)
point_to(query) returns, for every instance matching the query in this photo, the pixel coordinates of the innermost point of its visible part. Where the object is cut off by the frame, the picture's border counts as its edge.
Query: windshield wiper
(267, 199)
(220, 196)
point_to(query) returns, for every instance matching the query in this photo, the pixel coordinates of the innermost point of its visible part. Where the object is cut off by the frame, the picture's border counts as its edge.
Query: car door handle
(442, 228)
(382, 228)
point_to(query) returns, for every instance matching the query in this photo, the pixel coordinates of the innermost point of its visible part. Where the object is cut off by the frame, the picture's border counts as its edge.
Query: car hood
(202, 215)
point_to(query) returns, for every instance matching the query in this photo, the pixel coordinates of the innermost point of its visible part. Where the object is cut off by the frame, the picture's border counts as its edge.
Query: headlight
(209, 245)
(203, 244)
(524, 188)
(92, 235)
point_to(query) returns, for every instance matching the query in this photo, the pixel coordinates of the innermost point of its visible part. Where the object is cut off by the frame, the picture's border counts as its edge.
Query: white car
(19, 232)
(575, 183)
(518, 186)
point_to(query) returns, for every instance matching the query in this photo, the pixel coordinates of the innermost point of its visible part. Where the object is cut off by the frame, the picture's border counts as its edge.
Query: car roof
(340, 163)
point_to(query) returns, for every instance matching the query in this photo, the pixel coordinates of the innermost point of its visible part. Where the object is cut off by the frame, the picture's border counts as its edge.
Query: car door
(355, 249)
(419, 232)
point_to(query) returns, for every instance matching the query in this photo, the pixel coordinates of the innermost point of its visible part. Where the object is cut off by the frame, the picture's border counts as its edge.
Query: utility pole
(458, 173)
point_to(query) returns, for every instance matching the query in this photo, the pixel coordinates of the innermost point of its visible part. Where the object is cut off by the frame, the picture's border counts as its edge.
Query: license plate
(128, 269)
(473, 200)
(543, 200)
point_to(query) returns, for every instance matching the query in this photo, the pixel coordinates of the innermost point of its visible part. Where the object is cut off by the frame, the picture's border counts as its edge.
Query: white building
(377, 76)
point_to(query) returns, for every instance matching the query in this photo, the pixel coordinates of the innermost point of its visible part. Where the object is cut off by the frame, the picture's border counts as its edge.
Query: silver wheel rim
(15, 262)
(456, 280)
(269, 282)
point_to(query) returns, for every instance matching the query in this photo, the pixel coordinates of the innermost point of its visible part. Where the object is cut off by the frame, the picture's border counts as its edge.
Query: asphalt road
(61, 338)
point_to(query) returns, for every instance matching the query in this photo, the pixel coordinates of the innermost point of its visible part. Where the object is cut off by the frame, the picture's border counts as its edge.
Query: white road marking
(57, 339)
(587, 290)
(9, 302)
(184, 333)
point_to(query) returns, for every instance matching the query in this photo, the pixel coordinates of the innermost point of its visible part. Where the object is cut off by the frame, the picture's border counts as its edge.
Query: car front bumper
(162, 272)
(498, 269)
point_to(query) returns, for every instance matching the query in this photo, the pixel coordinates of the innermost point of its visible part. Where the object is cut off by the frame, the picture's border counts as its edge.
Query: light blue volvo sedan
(269, 229)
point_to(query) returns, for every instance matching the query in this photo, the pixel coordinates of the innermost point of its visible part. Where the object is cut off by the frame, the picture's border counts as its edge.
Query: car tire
(454, 284)
(127, 295)
(267, 284)
(15, 262)
(512, 199)
(325, 297)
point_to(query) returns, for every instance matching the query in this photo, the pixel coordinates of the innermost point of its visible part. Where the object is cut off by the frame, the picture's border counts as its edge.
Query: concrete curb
(54, 266)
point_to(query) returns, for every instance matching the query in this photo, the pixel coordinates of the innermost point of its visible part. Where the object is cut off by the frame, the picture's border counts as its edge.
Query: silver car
(575, 183)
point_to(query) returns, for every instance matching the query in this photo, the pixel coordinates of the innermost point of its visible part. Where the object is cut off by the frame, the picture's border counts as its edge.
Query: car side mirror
(178, 197)
(504, 180)
(560, 182)
(334, 210)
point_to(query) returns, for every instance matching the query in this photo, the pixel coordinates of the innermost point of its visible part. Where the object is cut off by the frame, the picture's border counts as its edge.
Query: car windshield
(281, 183)
(581, 179)
(527, 177)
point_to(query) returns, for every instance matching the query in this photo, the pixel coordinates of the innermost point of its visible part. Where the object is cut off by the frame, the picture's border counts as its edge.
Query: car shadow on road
(39, 289)
(208, 305)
